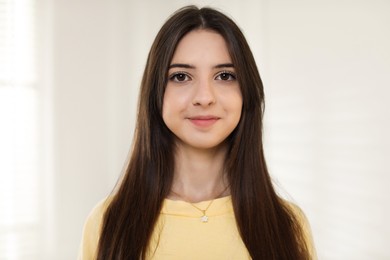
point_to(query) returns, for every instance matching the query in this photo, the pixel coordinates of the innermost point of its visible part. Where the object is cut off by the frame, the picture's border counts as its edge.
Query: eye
(179, 77)
(226, 76)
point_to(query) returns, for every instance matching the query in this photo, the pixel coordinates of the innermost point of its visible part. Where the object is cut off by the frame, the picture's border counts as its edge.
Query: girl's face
(202, 101)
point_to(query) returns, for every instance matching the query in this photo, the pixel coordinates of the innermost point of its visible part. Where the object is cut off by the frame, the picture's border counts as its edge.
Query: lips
(203, 121)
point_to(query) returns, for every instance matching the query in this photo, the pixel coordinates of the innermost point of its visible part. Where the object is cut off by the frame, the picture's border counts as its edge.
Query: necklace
(204, 218)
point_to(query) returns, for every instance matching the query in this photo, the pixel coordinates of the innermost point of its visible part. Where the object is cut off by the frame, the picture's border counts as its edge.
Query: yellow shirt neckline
(182, 208)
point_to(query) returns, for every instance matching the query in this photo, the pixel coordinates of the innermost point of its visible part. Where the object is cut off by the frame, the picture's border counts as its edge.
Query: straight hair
(267, 225)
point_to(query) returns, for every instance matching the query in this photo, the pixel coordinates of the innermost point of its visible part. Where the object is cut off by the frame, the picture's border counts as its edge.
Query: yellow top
(181, 234)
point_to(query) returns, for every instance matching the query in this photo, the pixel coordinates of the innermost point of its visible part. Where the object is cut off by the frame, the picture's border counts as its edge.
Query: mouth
(203, 121)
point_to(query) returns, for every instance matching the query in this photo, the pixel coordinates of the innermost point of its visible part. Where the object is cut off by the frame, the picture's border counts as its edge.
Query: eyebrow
(189, 66)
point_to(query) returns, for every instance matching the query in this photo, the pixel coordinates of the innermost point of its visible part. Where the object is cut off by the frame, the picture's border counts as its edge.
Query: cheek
(239, 110)
(174, 100)
(172, 105)
(239, 101)
(236, 108)
(166, 109)
(233, 101)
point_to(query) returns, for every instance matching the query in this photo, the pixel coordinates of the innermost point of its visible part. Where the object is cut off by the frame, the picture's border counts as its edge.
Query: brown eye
(179, 77)
(226, 76)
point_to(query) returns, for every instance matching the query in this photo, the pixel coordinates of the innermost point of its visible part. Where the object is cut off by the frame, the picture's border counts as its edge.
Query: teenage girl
(197, 185)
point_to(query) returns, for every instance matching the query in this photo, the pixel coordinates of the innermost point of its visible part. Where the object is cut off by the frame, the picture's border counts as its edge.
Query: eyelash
(173, 77)
(231, 75)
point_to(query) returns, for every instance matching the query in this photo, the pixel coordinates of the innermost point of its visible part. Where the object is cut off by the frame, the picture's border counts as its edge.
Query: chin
(207, 145)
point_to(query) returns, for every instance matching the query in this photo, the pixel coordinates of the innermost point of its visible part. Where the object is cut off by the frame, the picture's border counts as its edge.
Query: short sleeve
(301, 217)
(91, 232)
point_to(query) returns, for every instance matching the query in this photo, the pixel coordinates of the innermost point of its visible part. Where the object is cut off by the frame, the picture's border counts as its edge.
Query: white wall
(325, 69)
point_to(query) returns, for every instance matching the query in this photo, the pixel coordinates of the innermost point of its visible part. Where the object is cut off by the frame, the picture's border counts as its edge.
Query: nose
(204, 94)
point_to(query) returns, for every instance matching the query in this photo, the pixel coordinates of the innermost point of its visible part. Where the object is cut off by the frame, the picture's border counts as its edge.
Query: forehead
(202, 47)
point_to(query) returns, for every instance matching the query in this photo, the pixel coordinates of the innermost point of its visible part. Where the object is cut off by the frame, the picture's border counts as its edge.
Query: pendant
(204, 219)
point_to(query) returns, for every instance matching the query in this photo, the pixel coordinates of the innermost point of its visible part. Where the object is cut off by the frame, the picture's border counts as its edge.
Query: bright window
(20, 218)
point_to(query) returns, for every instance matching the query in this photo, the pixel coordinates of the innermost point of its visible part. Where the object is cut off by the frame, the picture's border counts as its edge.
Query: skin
(202, 106)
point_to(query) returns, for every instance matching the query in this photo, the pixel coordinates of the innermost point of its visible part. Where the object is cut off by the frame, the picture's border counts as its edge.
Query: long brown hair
(268, 228)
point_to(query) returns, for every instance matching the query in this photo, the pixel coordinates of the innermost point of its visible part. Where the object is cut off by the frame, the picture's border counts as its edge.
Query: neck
(199, 174)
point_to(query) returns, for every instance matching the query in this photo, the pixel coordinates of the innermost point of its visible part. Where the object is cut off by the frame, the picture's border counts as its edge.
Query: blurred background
(70, 72)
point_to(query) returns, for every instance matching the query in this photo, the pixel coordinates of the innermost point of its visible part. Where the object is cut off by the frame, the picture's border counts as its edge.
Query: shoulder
(303, 221)
(91, 230)
(297, 212)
